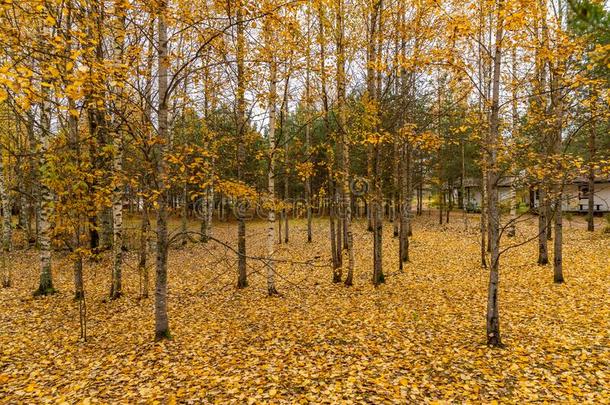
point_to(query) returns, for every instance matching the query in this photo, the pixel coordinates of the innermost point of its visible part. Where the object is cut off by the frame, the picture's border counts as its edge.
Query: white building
(473, 192)
(576, 196)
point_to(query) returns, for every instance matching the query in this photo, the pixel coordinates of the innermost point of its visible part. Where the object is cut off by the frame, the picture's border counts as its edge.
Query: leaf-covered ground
(418, 338)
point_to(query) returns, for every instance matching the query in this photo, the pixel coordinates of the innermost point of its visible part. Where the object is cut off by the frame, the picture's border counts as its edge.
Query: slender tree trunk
(420, 189)
(94, 235)
(208, 201)
(378, 276)
(591, 179)
(222, 212)
(543, 253)
(515, 126)
(143, 251)
(462, 196)
(549, 218)
(117, 219)
(6, 227)
(184, 214)
(343, 223)
(483, 96)
(286, 229)
(308, 126)
(106, 228)
(345, 147)
(372, 94)
(24, 219)
(100, 224)
(484, 216)
(349, 239)
(271, 290)
(242, 280)
(338, 219)
(7, 277)
(308, 187)
(441, 205)
(557, 105)
(449, 200)
(74, 136)
(26, 191)
(337, 270)
(161, 318)
(33, 200)
(208, 213)
(279, 228)
(144, 241)
(405, 176)
(513, 212)
(46, 200)
(396, 178)
(493, 317)
(210, 207)
(544, 206)
(369, 198)
(79, 286)
(284, 218)
(374, 91)
(405, 208)
(117, 161)
(34, 181)
(558, 244)
(378, 220)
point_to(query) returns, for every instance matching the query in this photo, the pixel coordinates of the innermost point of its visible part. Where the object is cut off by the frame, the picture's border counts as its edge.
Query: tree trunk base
(162, 335)
(379, 279)
(494, 341)
(44, 291)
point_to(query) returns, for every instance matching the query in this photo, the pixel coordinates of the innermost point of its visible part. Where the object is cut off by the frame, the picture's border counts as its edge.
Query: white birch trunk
(45, 213)
(117, 218)
(6, 227)
(271, 290)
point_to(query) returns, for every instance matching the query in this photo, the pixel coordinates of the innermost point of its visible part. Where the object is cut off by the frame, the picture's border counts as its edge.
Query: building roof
(598, 179)
(472, 182)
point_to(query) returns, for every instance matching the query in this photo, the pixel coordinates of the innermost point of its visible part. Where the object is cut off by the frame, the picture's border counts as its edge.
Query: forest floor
(420, 337)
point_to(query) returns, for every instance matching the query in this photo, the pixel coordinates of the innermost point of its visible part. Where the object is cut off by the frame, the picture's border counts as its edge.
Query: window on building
(583, 192)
